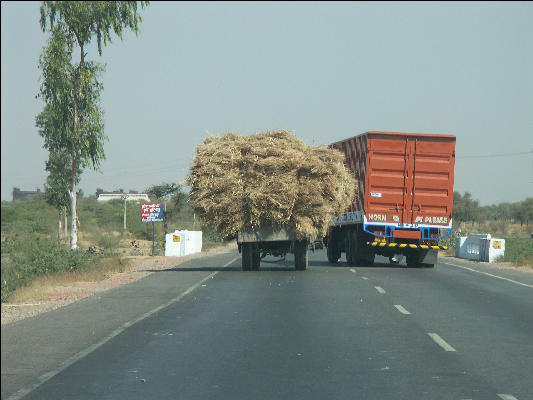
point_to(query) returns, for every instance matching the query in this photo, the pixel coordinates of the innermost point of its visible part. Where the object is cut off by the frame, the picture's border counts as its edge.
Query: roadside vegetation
(32, 246)
(510, 221)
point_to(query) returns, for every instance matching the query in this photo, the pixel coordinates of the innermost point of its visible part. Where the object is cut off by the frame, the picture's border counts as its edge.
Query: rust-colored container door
(407, 215)
(409, 178)
(385, 192)
(432, 180)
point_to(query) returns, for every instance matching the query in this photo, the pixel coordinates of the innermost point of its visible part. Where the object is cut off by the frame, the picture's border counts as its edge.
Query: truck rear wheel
(246, 256)
(301, 255)
(417, 259)
(333, 254)
(349, 246)
(256, 259)
(362, 255)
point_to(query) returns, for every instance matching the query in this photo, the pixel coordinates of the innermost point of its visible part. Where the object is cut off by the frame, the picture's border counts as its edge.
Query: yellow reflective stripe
(382, 244)
(413, 246)
(444, 247)
(424, 246)
(435, 247)
(393, 244)
(403, 245)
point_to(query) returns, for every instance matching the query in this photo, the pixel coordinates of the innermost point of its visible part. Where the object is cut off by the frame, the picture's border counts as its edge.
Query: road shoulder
(34, 347)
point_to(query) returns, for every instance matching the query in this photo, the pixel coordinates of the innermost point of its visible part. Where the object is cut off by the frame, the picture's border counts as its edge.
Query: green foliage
(85, 19)
(519, 251)
(72, 122)
(466, 209)
(58, 181)
(26, 256)
(35, 216)
(109, 242)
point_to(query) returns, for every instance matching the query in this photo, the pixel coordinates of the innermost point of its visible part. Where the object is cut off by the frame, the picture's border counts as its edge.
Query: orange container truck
(403, 205)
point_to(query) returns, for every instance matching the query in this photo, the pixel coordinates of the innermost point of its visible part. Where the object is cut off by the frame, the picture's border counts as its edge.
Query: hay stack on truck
(270, 191)
(403, 205)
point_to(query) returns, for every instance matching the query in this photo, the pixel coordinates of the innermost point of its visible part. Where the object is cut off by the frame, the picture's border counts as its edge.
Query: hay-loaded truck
(403, 205)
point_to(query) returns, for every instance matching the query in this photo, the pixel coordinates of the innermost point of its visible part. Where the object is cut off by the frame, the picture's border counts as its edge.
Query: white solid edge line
(401, 309)
(486, 273)
(441, 342)
(78, 356)
(379, 289)
(506, 396)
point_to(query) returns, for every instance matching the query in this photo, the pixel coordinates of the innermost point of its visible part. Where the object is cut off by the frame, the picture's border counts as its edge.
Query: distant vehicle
(318, 243)
(403, 205)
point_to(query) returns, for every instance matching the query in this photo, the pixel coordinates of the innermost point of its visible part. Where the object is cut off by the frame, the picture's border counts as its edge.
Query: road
(208, 330)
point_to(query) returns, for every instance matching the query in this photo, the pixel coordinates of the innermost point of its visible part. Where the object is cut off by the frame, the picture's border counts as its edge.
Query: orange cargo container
(405, 197)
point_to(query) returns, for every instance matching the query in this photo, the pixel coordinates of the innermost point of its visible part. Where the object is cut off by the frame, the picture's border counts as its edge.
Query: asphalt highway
(208, 330)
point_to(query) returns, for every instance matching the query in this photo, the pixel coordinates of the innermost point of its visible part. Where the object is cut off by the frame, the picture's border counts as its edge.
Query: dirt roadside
(58, 296)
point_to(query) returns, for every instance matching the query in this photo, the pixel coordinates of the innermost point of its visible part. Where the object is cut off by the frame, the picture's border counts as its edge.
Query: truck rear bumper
(406, 246)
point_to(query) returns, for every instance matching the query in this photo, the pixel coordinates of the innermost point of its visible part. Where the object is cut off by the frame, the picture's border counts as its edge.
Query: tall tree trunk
(73, 217)
(73, 209)
(59, 227)
(65, 224)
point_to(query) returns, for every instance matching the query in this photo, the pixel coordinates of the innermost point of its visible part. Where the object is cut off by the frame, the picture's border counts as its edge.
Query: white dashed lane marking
(380, 289)
(507, 397)
(401, 309)
(364, 277)
(441, 342)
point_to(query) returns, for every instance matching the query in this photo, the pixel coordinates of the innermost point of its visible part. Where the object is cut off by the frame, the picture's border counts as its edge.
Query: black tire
(333, 254)
(256, 259)
(413, 260)
(363, 257)
(301, 256)
(348, 245)
(246, 256)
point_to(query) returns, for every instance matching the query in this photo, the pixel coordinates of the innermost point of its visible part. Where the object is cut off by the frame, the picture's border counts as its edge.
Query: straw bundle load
(268, 179)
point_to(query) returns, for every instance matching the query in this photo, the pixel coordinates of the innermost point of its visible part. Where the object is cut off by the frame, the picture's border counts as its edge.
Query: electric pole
(125, 199)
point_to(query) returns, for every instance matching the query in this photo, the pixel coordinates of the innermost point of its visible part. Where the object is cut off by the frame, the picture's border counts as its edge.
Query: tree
(72, 121)
(527, 206)
(58, 183)
(465, 208)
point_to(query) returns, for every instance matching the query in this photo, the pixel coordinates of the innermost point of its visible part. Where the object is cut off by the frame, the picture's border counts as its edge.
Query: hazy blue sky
(327, 71)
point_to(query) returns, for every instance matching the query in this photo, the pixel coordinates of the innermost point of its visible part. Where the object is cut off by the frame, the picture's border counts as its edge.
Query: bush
(27, 256)
(109, 241)
(519, 251)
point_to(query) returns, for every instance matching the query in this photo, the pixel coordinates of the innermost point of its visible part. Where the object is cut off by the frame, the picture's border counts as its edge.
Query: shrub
(519, 251)
(26, 256)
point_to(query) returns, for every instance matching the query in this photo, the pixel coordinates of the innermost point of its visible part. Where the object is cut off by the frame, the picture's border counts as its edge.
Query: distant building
(133, 195)
(26, 194)
(30, 195)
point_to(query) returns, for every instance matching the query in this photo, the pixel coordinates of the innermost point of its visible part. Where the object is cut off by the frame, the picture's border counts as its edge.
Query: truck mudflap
(406, 245)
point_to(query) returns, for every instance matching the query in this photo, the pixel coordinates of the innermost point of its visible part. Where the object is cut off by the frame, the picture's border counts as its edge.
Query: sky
(326, 71)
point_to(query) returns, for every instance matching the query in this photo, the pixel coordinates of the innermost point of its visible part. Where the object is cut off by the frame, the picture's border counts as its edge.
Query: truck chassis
(255, 244)
(361, 247)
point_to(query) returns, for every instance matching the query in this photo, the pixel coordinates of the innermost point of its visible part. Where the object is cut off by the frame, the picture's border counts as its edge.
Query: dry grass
(271, 178)
(106, 274)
